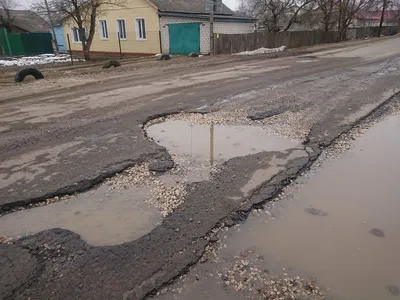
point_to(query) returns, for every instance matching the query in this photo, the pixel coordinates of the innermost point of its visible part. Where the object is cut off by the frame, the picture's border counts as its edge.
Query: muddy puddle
(100, 217)
(339, 224)
(214, 144)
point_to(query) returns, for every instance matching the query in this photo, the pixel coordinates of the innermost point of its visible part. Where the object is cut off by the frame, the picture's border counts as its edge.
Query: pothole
(132, 203)
(209, 144)
(123, 208)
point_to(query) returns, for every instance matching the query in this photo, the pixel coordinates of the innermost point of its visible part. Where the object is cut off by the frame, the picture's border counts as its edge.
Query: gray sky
(231, 3)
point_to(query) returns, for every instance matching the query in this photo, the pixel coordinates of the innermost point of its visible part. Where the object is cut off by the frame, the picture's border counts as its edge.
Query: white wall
(219, 27)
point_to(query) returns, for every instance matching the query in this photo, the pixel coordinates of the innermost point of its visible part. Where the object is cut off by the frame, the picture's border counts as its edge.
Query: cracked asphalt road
(69, 140)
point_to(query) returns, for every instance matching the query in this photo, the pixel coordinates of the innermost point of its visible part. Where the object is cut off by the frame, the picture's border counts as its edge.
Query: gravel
(345, 142)
(292, 125)
(243, 276)
(163, 196)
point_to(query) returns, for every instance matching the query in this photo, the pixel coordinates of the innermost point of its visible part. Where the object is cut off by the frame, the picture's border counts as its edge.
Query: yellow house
(147, 27)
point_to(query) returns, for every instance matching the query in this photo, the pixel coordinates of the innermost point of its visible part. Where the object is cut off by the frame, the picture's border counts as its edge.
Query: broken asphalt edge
(259, 197)
(96, 179)
(178, 264)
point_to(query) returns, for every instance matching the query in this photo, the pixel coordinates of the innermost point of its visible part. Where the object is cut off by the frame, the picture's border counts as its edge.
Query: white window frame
(103, 37)
(137, 28)
(73, 35)
(118, 34)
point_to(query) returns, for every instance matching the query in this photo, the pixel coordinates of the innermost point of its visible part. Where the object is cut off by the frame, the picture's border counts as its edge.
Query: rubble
(260, 284)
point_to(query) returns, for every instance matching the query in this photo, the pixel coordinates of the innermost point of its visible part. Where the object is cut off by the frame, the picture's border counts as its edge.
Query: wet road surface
(64, 142)
(348, 241)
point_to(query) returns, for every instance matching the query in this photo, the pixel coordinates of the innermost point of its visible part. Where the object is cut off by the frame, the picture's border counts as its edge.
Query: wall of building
(204, 32)
(132, 9)
(219, 27)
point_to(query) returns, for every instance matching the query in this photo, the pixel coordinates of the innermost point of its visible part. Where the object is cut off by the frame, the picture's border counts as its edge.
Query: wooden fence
(234, 43)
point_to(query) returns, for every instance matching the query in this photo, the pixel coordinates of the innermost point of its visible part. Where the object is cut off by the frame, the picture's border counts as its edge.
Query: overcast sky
(231, 3)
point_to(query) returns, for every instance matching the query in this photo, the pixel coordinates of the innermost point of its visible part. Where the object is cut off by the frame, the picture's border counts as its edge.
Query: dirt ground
(79, 152)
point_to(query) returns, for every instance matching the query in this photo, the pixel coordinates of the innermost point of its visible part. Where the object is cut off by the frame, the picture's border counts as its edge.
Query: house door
(60, 38)
(184, 38)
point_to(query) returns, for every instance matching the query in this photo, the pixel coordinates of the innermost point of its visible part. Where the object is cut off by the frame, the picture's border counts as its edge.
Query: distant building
(373, 18)
(22, 21)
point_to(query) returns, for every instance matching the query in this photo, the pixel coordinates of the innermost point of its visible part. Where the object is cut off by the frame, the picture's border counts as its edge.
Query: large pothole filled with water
(211, 144)
(132, 203)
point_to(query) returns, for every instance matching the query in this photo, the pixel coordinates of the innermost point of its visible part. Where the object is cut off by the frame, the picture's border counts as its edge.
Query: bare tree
(347, 10)
(327, 8)
(6, 13)
(81, 13)
(385, 4)
(275, 15)
(396, 9)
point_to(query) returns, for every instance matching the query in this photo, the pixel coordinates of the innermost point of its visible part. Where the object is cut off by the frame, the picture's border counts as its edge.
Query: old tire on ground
(193, 54)
(111, 63)
(20, 76)
(164, 57)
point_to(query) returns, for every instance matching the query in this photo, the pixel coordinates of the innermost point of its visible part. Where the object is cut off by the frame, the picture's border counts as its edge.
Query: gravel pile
(9, 240)
(293, 125)
(163, 196)
(244, 276)
(236, 116)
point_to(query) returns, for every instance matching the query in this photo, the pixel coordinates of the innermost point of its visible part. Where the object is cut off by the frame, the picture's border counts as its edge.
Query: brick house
(185, 27)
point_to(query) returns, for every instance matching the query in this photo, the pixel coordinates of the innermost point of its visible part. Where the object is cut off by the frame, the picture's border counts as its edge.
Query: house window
(75, 35)
(103, 30)
(121, 29)
(76, 38)
(141, 29)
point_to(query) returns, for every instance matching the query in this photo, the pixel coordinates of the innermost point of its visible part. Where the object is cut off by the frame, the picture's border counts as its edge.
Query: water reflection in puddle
(353, 246)
(215, 144)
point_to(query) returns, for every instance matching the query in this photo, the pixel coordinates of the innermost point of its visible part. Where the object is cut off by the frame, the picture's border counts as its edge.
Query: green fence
(13, 44)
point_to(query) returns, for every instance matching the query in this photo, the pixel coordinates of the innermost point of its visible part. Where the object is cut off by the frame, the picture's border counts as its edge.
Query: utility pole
(51, 24)
(212, 3)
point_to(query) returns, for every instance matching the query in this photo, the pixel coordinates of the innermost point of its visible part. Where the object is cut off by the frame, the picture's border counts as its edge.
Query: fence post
(119, 44)
(70, 50)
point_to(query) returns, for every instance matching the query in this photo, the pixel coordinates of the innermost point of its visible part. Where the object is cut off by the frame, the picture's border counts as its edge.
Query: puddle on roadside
(358, 192)
(214, 144)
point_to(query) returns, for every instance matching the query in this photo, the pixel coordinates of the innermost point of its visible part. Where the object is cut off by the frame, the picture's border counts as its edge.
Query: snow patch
(262, 51)
(36, 60)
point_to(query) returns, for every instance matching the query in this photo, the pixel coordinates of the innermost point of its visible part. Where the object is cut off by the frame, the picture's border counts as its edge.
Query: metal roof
(27, 20)
(186, 6)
